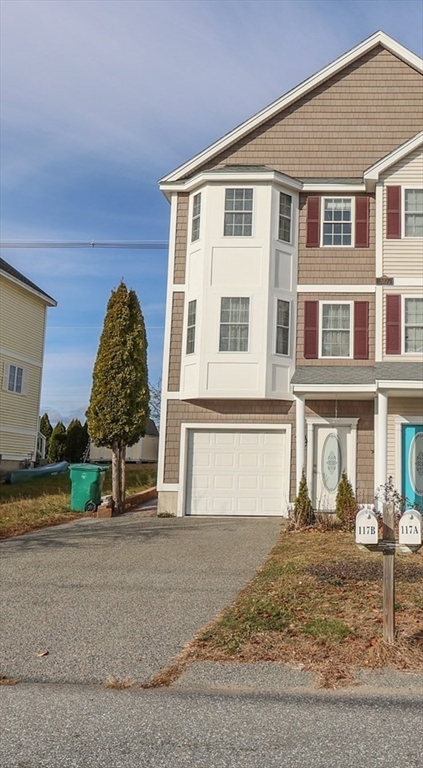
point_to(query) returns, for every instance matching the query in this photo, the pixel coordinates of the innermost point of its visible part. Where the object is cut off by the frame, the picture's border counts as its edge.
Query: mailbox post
(409, 540)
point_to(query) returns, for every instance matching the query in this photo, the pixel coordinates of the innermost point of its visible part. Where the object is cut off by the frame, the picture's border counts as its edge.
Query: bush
(346, 503)
(303, 513)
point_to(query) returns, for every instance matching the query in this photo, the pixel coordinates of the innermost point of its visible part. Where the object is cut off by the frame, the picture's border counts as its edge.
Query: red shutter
(313, 222)
(393, 325)
(361, 330)
(393, 213)
(311, 329)
(362, 222)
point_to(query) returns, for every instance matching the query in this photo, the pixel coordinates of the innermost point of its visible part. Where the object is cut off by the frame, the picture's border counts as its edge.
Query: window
(234, 323)
(196, 211)
(238, 212)
(336, 330)
(282, 327)
(413, 213)
(15, 379)
(192, 311)
(285, 217)
(337, 221)
(413, 325)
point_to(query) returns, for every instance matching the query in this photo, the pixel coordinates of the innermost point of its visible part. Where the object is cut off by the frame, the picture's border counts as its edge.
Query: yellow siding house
(23, 314)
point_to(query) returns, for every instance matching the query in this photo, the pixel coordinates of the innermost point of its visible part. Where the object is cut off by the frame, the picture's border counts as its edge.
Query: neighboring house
(146, 450)
(23, 317)
(294, 326)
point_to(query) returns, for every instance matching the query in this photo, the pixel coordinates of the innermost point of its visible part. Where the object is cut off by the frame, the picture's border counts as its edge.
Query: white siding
(404, 257)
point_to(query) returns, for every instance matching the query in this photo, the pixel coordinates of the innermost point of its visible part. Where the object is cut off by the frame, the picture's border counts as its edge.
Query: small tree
(303, 513)
(119, 404)
(57, 446)
(346, 503)
(46, 429)
(74, 447)
(155, 401)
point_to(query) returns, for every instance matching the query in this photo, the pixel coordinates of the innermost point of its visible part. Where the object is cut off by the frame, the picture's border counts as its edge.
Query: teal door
(412, 464)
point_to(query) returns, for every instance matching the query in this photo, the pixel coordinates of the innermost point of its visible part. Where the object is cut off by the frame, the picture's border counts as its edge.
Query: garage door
(240, 472)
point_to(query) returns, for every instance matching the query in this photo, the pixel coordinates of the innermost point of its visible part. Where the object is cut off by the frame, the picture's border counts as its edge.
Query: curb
(105, 511)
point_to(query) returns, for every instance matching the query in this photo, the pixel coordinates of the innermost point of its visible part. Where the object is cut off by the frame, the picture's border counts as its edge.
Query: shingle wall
(342, 266)
(176, 332)
(343, 126)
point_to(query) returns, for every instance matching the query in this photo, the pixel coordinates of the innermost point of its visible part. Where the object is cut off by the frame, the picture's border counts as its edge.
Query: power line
(155, 245)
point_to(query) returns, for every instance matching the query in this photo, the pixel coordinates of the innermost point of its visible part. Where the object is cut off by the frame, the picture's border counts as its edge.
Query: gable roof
(377, 39)
(372, 174)
(18, 277)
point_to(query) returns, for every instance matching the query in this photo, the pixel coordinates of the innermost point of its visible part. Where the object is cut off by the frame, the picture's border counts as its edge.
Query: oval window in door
(331, 462)
(415, 463)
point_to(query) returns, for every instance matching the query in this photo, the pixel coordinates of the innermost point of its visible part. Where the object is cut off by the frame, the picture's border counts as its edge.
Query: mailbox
(410, 527)
(366, 527)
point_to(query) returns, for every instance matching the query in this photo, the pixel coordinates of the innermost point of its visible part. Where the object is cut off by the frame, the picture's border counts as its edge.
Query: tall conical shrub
(119, 404)
(303, 513)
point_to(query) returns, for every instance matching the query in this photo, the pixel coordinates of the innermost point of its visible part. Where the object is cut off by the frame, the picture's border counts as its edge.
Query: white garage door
(237, 472)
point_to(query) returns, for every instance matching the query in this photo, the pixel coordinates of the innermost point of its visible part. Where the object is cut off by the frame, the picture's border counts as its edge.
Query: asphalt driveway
(119, 597)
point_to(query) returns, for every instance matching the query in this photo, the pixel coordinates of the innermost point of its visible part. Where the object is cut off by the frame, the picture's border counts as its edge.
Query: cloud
(146, 84)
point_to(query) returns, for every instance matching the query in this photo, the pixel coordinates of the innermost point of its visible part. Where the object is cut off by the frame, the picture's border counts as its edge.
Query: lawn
(27, 506)
(317, 604)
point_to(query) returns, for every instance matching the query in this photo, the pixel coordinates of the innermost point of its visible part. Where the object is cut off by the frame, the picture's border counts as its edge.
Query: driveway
(119, 597)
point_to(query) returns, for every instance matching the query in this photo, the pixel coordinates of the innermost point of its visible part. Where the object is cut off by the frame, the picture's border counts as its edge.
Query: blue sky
(101, 99)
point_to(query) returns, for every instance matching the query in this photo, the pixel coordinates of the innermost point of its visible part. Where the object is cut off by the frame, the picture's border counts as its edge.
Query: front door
(330, 460)
(412, 464)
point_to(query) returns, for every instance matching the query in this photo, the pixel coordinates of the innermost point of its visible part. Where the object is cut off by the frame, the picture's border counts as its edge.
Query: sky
(100, 99)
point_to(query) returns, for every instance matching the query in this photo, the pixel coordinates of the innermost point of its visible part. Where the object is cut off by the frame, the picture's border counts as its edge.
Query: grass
(28, 506)
(317, 604)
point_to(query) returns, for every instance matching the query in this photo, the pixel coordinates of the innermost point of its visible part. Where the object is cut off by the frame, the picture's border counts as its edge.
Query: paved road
(46, 726)
(119, 597)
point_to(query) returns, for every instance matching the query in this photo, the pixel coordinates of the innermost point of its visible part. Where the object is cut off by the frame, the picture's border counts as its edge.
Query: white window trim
(187, 427)
(351, 350)
(290, 241)
(322, 221)
(275, 326)
(403, 191)
(405, 296)
(192, 216)
(239, 186)
(234, 351)
(191, 326)
(5, 382)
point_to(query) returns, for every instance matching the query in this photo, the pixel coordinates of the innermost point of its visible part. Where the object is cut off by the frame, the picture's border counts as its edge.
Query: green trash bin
(87, 483)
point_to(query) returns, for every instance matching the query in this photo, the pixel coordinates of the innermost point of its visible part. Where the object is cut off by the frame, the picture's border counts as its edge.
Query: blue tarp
(23, 475)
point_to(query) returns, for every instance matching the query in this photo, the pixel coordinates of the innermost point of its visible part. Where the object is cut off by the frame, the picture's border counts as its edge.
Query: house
(23, 318)
(146, 450)
(294, 308)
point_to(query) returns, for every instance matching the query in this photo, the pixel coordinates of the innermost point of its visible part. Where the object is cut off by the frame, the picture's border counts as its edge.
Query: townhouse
(294, 307)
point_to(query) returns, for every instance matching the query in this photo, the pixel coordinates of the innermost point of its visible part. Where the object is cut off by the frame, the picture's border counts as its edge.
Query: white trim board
(21, 358)
(373, 173)
(378, 38)
(325, 288)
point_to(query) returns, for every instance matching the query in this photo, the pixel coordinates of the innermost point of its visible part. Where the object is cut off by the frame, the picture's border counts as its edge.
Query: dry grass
(317, 604)
(118, 685)
(29, 506)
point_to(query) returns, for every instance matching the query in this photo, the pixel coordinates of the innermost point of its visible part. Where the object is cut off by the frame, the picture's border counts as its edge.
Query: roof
(151, 429)
(373, 173)
(375, 40)
(355, 375)
(335, 374)
(20, 278)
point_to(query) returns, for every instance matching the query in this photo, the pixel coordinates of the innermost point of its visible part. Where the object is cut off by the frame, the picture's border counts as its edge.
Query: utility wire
(155, 245)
